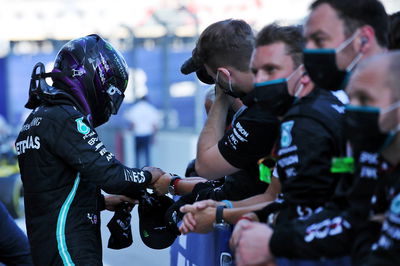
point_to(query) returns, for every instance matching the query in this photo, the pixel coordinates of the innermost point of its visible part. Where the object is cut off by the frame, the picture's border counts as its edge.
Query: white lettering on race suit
(242, 130)
(237, 135)
(99, 145)
(34, 123)
(91, 134)
(328, 227)
(390, 233)
(293, 159)
(369, 172)
(287, 150)
(290, 172)
(132, 176)
(92, 141)
(109, 156)
(368, 157)
(29, 143)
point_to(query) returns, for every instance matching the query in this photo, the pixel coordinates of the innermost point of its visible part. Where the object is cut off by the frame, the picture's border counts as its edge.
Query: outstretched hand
(162, 184)
(112, 201)
(156, 173)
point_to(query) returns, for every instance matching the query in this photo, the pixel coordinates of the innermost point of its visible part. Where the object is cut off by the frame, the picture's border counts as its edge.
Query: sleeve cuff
(148, 177)
(281, 243)
(101, 203)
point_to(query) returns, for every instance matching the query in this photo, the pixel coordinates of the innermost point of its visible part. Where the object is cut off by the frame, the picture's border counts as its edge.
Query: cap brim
(190, 66)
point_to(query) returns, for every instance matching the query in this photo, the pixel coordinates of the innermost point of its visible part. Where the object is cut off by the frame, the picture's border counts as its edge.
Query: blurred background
(155, 36)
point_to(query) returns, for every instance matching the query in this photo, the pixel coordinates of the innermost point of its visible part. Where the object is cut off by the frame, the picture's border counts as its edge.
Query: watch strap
(219, 214)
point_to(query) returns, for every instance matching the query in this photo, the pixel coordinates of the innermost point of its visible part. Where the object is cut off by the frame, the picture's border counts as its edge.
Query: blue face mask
(321, 66)
(362, 128)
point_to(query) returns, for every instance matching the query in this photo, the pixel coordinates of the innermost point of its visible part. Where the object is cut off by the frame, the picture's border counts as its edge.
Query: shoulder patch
(286, 135)
(81, 126)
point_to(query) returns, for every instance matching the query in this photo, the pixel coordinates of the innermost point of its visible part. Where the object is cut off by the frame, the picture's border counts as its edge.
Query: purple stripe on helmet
(77, 91)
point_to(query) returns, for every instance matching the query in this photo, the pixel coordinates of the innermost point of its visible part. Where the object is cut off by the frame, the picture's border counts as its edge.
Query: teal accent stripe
(62, 218)
(366, 109)
(270, 82)
(319, 51)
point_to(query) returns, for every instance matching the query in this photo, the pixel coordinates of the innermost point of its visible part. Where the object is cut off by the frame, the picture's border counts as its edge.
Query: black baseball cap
(154, 230)
(192, 65)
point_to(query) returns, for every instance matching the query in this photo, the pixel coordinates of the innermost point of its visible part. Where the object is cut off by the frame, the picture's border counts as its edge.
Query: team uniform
(312, 133)
(64, 165)
(252, 136)
(386, 248)
(341, 227)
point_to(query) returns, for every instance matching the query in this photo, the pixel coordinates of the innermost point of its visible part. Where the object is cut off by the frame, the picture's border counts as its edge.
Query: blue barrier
(210, 249)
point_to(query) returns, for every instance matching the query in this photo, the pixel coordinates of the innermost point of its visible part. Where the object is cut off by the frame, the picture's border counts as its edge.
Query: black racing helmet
(101, 74)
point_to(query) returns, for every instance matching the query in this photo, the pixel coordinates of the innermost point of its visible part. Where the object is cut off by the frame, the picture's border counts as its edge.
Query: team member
(278, 76)
(63, 162)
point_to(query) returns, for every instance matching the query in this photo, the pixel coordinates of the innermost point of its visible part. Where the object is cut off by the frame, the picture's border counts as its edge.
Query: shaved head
(385, 67)
(376, 83)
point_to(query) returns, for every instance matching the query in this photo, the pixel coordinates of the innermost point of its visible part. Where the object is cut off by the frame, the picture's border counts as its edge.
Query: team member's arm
(180, 186)
(78, 144)
(209, 161)
(327, 234)
(270, 194)
(200, 216)
(250, 242)
(386, 250)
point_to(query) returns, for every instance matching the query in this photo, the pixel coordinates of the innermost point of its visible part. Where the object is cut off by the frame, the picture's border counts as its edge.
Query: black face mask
(322, 68)
(362, 129)
(272, 95)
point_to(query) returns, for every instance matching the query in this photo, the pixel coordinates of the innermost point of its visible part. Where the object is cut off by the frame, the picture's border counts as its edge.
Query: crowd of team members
(303, 126)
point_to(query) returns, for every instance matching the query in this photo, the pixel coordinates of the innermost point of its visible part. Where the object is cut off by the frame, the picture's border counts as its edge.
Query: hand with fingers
(155, 172)
(162, 184)
(112, 201)
(250, 242)
(199, 217)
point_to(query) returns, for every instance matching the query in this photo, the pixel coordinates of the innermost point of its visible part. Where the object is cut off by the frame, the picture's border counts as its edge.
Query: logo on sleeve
(82, 127)
(286, 135)
(395, 207)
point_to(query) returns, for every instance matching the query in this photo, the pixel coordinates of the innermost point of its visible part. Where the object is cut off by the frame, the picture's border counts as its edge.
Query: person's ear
(367, 34)
(305, 79)
(224, 73)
